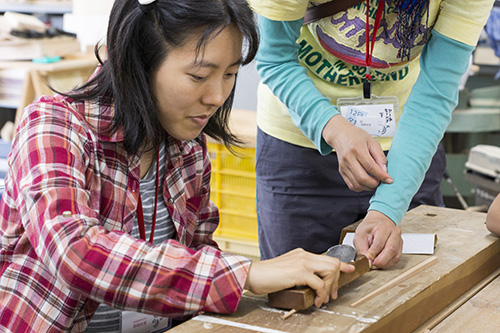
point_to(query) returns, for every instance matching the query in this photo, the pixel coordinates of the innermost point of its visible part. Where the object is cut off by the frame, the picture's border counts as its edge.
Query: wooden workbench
(481, 313)
(467, 254)
(477, 310)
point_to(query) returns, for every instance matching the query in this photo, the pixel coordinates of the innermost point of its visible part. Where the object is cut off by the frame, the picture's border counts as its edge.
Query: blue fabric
(279, 68)
(492, 29)
(425, 117)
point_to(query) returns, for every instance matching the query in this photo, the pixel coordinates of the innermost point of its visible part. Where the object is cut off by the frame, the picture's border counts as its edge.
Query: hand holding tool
(301, 298)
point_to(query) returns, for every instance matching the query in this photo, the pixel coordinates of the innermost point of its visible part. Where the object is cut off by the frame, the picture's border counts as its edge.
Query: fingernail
(388, 181)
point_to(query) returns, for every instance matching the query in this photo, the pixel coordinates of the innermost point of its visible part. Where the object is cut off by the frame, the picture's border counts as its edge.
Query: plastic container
(233, 191)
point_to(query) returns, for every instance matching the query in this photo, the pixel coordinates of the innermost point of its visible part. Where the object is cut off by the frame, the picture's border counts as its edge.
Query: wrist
(378, 216)
(248, 280)
(331, 129)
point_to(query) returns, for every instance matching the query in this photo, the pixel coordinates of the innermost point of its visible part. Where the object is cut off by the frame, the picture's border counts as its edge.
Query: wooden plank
(452, 307)
(406, 275)
(303, 298)
(467, 254)
(481, 313)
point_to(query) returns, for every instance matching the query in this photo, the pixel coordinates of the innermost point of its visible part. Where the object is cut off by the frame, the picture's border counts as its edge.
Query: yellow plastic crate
(233, 191)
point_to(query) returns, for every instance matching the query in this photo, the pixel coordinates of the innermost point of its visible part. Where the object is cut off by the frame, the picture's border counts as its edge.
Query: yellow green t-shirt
(333, 50)
(309, 67)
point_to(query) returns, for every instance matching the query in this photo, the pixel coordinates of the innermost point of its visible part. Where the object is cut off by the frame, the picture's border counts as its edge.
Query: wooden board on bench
(467, 254)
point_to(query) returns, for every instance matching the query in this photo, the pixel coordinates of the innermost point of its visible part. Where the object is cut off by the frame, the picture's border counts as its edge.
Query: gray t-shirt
(107, 319)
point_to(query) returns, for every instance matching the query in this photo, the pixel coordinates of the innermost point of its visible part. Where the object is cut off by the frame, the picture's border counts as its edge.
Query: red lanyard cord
(369, 49)
(367, 87)
(140, 213)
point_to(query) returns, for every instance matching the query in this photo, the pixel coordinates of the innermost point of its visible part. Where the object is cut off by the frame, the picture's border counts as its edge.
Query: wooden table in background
(467, 254)
(63, 75)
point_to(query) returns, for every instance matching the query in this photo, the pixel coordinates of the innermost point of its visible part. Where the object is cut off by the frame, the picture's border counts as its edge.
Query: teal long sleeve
(279, 68)
(425, 117)
(426, 114)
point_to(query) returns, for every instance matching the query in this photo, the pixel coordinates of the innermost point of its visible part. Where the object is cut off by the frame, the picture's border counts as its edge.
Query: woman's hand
(379, 239)
(362, 163)
(295, 268)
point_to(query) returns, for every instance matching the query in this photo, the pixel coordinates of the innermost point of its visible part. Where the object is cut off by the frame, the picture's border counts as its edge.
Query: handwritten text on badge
(376, 119)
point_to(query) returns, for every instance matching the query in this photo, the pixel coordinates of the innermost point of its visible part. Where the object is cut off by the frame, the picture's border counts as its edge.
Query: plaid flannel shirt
(66, 214)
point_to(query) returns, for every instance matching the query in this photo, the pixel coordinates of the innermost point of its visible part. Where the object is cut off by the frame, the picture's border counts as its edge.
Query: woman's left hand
(296, 268)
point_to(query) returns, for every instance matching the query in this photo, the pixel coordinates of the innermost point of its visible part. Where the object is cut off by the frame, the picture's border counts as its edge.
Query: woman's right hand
(362, 163)
(295, 268)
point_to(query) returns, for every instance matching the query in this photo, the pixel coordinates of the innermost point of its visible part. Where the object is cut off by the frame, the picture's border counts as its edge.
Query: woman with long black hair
(107, 199)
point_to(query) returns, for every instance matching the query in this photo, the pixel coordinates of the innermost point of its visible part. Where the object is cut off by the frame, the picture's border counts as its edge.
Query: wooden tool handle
(302, 298)
(361, 265)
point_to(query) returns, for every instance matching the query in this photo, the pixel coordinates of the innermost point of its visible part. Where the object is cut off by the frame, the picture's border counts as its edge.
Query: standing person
(318, 170)
(107, 197)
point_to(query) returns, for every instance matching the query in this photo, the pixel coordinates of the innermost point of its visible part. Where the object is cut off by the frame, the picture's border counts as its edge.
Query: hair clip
(143, 5)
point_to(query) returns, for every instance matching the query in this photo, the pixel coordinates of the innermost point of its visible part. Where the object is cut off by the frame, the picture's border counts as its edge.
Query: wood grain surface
(467, 254)
(481, 313)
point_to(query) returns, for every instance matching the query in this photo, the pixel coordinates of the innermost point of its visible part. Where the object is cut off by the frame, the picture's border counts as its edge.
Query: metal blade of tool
(343, 252)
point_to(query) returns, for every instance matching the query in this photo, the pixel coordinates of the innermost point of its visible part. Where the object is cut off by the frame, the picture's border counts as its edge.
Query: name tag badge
(135, 322)
(376, 115)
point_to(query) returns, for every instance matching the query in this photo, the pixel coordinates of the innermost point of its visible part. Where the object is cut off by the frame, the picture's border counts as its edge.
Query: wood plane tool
(302, 298)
